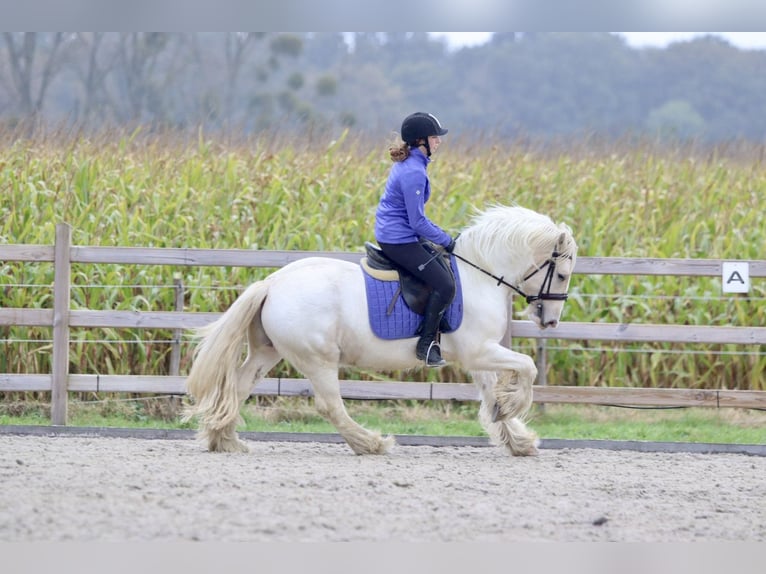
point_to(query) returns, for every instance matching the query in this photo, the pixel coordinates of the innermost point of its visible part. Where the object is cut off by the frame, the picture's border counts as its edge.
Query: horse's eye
(562, 277)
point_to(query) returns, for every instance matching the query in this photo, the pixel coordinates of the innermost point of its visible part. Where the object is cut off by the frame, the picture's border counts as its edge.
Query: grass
(442, 418)
(727, 426)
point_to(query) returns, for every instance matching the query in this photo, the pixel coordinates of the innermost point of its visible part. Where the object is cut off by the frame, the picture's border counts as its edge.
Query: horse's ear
(561, 244)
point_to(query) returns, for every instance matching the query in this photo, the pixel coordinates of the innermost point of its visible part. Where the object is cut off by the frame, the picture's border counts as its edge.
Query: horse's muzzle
(538, 315)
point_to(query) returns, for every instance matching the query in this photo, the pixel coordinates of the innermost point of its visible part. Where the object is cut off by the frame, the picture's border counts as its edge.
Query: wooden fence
(62, 318)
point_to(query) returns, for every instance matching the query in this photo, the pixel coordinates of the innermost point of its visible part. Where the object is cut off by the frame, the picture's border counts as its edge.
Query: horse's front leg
(505, 381)
(504, 405)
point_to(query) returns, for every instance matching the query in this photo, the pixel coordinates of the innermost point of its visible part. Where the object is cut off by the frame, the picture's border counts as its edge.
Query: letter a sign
(736, 277)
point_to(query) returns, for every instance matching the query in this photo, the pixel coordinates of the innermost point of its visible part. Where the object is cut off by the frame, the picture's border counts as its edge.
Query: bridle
(544, 294)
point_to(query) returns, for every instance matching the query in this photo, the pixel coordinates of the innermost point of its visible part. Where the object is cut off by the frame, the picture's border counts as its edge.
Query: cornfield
(629, 200)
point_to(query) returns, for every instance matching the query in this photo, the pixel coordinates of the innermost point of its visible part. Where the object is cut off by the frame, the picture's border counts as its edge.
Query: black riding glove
(451, 247)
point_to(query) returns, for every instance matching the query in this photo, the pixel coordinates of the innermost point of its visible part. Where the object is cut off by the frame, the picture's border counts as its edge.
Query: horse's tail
(214, 375)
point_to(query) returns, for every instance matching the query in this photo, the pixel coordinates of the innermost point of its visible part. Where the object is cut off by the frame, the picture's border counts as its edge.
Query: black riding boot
(427, 348)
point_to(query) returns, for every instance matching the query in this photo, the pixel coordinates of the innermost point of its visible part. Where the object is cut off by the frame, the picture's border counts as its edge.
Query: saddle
(414, 292)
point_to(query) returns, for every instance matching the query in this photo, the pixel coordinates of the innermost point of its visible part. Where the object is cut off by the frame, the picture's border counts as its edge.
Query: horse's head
(547, 283)
(538, 254)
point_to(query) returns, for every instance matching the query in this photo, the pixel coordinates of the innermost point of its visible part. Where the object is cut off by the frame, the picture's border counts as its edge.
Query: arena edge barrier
(62, 318)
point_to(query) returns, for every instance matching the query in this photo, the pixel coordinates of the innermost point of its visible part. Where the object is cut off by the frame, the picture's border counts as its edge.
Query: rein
(545, 288)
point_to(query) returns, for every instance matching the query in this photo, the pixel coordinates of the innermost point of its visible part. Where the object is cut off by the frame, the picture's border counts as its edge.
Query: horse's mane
(502, 230)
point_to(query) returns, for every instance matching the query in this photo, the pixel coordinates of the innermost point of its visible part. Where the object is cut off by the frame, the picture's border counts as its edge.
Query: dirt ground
(74, 488)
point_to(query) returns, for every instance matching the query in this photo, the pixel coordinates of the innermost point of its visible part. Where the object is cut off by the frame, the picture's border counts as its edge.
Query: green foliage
(672, 425)
(327, 85)
(157, 191)
(434, 418)
(295, 81)
(287, 45)
(677, 119)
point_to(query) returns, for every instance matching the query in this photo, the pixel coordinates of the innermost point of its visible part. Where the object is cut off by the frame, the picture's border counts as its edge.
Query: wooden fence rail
(62, 318)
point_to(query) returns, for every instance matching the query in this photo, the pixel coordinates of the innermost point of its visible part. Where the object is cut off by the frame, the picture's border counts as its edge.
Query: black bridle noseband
(545, 288)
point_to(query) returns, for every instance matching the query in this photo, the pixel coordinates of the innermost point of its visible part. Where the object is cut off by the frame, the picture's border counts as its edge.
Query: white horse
(312, 313)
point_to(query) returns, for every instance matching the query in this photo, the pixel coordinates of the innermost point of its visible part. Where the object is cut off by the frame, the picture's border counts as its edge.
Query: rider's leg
(427, 348)
(423, 263)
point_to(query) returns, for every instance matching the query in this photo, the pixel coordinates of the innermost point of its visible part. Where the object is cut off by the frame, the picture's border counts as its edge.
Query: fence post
(62, 277)
(541, 361)
(175, 349)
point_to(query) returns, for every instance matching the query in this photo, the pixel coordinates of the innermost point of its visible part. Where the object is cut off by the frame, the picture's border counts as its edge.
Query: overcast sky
(745, 40)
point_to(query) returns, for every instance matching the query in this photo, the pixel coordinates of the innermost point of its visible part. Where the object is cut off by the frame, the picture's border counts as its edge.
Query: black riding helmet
(421, 125)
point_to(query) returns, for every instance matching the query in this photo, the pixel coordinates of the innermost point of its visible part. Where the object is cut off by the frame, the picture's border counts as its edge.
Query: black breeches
(413, 256)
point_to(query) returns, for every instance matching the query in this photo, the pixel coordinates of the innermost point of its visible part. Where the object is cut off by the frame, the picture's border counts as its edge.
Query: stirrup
(433, 362)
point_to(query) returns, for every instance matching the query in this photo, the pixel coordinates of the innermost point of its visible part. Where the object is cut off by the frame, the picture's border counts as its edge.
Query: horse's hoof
(531, 451)
(529, 448)
(376, 445)
(227, 445)
(387, 444)
(241, 447)
(233, 447)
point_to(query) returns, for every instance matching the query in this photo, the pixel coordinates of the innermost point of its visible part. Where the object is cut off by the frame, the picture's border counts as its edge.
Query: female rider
(402, 228)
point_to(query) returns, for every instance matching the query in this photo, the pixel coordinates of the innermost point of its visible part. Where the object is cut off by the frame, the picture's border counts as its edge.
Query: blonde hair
(399, 151)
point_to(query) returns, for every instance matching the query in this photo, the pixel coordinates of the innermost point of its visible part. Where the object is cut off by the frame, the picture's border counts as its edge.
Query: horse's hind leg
(260, 360)
(330, 405)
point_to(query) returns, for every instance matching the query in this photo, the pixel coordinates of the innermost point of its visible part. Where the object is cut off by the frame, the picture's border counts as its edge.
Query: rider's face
(434, 142)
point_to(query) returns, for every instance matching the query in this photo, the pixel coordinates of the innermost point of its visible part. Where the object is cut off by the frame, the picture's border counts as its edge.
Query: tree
(237, 46)
(137, 58)
(91, 63)
(32, 76)
(676, 119)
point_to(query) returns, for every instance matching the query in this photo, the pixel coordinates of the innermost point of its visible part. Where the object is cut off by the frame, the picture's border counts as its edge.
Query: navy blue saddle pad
(402, 322)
